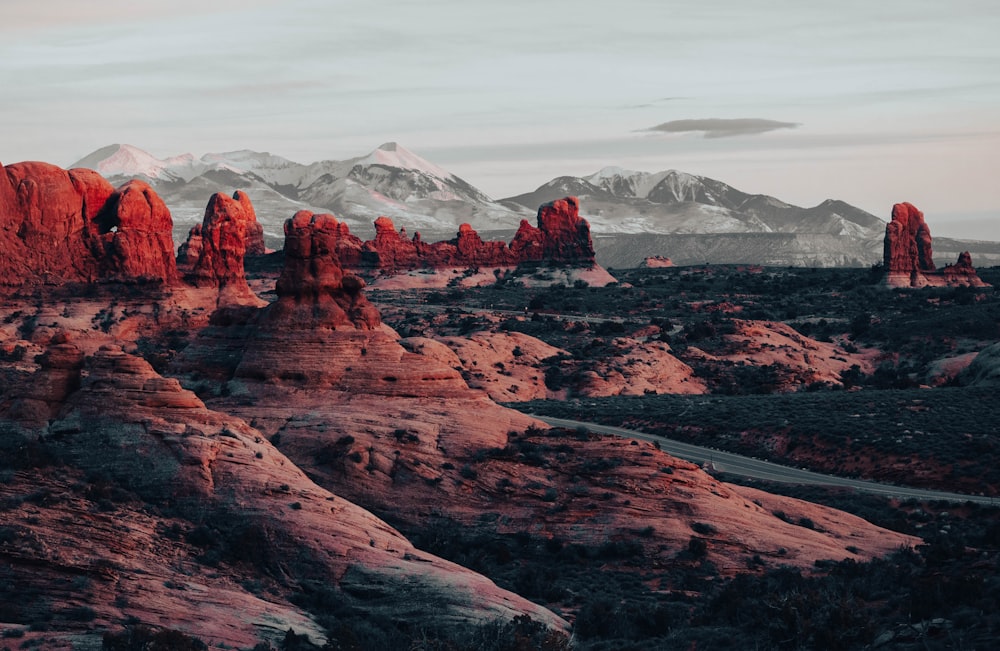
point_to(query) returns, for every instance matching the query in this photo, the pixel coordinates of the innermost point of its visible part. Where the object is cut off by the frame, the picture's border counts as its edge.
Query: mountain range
(390, 181)
(692, 219)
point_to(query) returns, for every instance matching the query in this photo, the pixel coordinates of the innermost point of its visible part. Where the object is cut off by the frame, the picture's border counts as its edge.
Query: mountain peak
(392, 154)
(128, 160)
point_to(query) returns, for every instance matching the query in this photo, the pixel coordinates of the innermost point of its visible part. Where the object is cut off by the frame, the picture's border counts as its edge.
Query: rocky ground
(224, 455)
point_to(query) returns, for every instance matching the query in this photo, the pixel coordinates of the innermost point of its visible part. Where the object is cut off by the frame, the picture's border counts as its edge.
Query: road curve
(736, 464)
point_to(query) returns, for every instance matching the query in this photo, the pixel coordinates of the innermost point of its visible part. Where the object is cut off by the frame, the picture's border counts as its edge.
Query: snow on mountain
(129, 161)
(420, 195)
(391, 180)
(617, 200)
(625, 183)
(392, 154)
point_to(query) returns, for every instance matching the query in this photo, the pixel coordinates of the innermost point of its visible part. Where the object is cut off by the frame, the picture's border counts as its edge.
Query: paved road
(736, 464)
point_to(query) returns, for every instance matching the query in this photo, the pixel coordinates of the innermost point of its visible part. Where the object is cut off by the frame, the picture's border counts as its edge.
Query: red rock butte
(59, 226)
(909, 257)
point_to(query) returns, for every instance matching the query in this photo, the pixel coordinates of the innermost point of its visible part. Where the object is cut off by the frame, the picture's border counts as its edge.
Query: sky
(868, 102)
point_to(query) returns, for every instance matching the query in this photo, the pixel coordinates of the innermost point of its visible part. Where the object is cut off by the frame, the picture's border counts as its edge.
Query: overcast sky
(869, 102)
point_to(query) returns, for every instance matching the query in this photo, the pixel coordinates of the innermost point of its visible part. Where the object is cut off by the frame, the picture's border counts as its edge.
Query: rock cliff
(908, 255)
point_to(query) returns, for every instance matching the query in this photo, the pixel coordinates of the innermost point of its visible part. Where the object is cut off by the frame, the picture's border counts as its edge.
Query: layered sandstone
(401, 433)
(59, 226)
(909, 258)
(157, 444)
(561, 235)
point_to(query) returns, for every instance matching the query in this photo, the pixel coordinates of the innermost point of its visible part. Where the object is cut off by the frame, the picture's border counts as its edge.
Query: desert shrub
(144, 638)
(697, 547)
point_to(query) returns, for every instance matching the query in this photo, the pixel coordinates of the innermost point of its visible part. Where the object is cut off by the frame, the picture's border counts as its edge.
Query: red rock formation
(313, 291)
(136, 236)
(908, 255)
(561, 237)
(962, 273)
(907, 241)
(216, 249)
(189, 251)
(38, 400)
(254, 231)
(471, 250)
(390, 250)
(137, 429)
(656, 262)
(60, 226)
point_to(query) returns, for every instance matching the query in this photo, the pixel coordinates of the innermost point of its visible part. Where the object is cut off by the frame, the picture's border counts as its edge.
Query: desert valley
(252, 404)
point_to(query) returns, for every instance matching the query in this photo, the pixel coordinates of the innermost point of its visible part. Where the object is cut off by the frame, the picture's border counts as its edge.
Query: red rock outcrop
(562, 237)
(36, 401)
(909, 258)
(313, 291)
(216, 249)
(138, 430)
(136, 232)
(962, 273)
(237, 219)
(908, 241)
(59, 226)
(401, 432)
(656, 262)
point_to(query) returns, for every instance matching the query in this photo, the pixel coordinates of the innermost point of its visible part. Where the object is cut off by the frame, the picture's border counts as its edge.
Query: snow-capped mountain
(132, 162)
(419, 195)
(391, 181)
(624, 201)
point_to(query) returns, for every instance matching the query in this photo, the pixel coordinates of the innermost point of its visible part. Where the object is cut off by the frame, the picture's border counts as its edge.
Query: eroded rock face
(313, 291)
(36, 401)
(908, 241)
(136, 231)
(562, 237)
(215, 250)
(909, 258)
(59, 226)
(146, 433)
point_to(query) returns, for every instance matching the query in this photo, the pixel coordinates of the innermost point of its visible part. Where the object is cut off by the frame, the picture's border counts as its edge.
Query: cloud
(720, 128)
